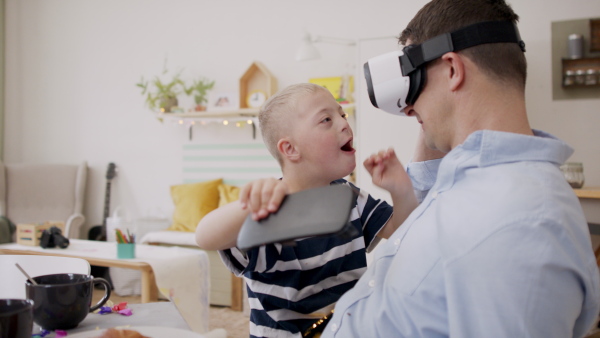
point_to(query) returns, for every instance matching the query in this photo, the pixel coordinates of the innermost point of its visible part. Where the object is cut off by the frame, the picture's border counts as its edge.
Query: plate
(150, 331)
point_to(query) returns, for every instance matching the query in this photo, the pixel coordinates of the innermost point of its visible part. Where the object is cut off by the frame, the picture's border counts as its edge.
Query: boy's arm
(218, 230)
(388, 173)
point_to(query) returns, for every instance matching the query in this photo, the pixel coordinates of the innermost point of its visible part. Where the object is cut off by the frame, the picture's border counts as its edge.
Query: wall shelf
(189, 119)
(204, 115)
(560, 32)
(247, 115)
(582, 64)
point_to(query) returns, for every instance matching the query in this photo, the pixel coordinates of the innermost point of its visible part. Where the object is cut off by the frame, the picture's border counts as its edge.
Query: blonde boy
(289, 287)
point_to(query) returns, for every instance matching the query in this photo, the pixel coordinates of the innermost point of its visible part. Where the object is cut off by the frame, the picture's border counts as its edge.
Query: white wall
(71, 69)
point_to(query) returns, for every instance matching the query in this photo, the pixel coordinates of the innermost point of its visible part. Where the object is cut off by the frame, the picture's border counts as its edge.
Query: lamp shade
(307, 50)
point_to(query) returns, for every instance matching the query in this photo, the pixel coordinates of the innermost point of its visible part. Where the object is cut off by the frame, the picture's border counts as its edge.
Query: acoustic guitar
(98, 232)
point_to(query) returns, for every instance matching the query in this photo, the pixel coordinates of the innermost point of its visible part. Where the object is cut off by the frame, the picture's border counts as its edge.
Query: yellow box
(30, 234)
(341, 87)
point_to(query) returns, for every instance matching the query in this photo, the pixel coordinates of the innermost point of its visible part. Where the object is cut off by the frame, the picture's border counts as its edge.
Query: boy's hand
(388, 173)
(262, 197)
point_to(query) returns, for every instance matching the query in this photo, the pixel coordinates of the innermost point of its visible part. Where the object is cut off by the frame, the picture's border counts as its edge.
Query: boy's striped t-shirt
(290, 287)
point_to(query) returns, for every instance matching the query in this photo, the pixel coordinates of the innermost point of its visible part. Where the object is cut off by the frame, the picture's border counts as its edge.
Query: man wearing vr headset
(499, 245)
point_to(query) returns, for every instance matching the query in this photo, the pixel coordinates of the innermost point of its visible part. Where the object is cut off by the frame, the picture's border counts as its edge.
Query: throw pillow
(192, 202)
(228, 193)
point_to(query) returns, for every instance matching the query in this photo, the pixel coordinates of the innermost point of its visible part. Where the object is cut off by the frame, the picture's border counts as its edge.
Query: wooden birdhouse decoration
(256, 86)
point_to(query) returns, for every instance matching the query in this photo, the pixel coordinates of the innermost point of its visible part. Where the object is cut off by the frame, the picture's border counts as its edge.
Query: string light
(250, 121)
(225, 122)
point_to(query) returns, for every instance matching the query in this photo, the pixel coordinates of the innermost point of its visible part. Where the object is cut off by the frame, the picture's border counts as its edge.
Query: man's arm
(423, 167)
(523, 281)
(388, 173)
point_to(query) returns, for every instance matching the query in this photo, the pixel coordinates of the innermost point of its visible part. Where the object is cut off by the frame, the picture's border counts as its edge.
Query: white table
(162, 314)
(182, 275)
(149, 314)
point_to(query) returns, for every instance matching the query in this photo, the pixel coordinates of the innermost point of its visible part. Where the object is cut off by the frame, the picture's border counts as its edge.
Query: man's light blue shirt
(498, 247)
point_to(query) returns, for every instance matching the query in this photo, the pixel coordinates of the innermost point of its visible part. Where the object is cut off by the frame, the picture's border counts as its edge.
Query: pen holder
(125, 250)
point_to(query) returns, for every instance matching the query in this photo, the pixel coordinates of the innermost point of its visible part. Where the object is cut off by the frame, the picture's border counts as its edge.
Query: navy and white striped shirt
(290, 287)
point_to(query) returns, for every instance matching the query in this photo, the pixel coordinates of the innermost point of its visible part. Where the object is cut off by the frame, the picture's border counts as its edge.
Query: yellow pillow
(228, 193)
(192, 202)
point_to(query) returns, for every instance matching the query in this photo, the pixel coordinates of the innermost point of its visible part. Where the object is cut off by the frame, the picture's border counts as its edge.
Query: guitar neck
(106, 205)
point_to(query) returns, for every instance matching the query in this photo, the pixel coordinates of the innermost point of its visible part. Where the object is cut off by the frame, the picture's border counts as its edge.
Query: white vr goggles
(395, 80)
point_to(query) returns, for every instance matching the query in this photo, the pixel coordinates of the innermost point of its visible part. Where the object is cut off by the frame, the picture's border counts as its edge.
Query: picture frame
(222, 101)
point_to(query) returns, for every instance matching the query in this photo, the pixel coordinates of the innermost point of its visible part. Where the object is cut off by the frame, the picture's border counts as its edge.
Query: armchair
(33, 193)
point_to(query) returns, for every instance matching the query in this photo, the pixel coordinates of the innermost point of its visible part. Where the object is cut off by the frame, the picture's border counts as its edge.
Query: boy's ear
(287, 149)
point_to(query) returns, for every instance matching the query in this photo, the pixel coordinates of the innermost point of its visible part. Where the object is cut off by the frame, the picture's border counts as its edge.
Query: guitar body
(98, 232)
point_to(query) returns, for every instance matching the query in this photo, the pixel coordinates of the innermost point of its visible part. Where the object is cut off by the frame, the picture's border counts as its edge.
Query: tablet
(313, 212)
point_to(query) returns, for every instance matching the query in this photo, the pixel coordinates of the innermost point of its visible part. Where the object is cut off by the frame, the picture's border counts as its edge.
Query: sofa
(192, 201)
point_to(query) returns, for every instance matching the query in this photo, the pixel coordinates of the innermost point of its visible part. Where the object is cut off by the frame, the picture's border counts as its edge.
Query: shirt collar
(496, 147)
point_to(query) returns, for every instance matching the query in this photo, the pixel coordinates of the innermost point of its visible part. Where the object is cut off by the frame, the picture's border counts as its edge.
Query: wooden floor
(234, 322)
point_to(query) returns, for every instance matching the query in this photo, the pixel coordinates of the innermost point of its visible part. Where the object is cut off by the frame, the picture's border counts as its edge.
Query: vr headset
(395, 80)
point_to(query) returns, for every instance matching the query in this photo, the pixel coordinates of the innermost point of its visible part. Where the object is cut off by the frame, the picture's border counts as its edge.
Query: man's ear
(455, 71)
(287, 149)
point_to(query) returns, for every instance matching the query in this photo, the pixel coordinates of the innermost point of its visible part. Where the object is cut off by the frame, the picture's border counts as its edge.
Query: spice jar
(569, 79)
(573, 172)
(591, 77)
(580, 77)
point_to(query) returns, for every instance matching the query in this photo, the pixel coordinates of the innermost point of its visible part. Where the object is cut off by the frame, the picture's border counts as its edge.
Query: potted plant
(164, 94)
(199, 89)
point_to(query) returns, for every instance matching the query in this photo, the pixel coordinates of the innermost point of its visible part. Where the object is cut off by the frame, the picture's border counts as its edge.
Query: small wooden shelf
(239, 113)
(581, 64)
(588, 192)
(242, 114)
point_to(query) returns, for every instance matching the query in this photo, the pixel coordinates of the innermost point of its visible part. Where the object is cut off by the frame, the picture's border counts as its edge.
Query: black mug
(62, 301)
(16, 318)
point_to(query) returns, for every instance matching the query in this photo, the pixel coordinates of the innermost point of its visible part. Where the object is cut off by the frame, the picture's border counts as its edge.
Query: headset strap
(473, 35)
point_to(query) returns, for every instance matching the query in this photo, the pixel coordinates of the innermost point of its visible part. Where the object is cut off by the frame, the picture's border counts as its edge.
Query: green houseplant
(163, 95)
(199, 89)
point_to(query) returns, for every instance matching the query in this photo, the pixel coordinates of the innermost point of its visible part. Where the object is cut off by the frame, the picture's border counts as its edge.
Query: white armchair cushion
(33, 193)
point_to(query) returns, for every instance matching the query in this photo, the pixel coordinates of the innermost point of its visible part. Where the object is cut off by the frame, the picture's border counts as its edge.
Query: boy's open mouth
(347, 146)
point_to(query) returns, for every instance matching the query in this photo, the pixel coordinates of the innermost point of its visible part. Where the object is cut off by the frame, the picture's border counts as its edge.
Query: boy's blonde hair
(275, 115)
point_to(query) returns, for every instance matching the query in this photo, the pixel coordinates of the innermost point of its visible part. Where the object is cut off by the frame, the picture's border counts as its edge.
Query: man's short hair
(504, 61)
(275, 115)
